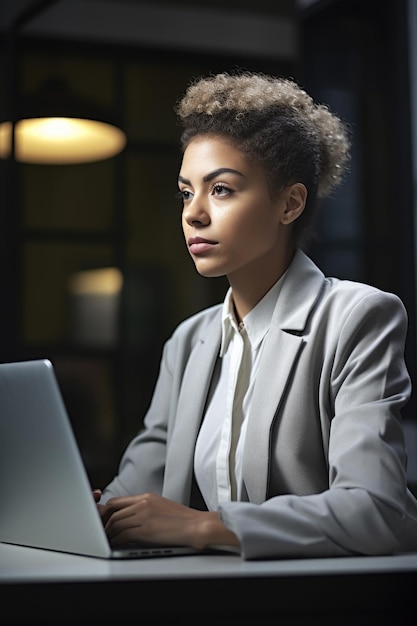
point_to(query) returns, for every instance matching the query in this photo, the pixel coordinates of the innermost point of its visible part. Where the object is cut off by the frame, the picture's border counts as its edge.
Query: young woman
(275, 425)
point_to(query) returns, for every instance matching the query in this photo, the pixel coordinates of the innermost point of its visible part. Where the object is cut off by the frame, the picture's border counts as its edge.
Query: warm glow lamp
(55, 127)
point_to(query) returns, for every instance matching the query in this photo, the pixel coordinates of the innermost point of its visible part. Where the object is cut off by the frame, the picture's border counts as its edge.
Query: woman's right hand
(97, 495)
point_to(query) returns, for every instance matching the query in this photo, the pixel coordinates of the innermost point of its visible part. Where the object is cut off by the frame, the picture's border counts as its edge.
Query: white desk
(37, 586)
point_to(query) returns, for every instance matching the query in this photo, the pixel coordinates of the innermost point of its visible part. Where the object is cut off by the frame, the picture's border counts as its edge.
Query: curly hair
(274, 123)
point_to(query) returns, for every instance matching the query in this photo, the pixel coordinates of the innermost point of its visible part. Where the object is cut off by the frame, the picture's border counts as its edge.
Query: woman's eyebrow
(219, 171)
(208, 177)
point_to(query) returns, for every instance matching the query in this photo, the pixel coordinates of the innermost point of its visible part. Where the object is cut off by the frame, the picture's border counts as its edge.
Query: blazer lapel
(269, 390)
(282, 347)
(191, 403)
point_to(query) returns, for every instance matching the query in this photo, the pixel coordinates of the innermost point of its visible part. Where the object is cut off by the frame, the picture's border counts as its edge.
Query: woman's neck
(251, 285)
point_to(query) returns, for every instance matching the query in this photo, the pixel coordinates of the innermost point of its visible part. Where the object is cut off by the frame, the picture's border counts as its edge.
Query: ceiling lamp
(57, 128)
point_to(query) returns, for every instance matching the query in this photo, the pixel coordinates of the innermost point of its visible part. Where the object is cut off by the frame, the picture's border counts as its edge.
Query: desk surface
(24, 565)
(35, 585)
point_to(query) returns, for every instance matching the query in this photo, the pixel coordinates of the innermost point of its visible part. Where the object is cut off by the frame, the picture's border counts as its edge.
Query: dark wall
(355, 57)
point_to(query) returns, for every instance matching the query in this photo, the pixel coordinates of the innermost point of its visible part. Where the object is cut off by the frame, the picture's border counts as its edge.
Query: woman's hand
(150, 517)
(96, 495)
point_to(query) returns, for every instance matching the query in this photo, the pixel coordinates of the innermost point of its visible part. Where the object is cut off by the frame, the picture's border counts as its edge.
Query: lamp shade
(56, 127)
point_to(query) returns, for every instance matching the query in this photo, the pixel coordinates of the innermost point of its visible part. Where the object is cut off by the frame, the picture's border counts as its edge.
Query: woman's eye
(184, 194)
(219, 189)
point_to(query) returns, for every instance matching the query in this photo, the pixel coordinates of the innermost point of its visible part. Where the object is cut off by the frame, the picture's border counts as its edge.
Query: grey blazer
(324, 465)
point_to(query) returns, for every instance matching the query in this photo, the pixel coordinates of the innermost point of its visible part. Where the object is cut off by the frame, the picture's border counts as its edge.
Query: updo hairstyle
(274, 123)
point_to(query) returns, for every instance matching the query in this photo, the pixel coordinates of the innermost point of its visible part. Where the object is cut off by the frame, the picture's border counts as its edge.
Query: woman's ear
(295, 197)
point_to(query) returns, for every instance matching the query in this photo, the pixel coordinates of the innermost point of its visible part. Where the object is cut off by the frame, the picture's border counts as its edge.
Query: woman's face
(231, 225)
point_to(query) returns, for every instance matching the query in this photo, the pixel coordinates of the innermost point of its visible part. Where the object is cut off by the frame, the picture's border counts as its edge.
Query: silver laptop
(46, 498)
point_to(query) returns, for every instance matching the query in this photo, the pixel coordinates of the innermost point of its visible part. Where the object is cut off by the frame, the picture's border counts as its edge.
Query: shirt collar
(257, 322)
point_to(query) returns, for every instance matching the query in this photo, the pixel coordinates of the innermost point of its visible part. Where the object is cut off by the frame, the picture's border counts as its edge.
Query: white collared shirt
(214, 475)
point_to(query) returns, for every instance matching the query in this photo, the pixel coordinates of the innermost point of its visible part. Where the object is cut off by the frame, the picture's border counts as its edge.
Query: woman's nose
(196, 212)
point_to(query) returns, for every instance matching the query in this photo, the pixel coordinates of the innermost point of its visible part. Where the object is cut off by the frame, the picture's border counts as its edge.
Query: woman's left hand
(153, 518)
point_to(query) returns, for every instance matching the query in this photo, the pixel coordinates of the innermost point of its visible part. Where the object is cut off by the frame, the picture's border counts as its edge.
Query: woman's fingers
(146, 517)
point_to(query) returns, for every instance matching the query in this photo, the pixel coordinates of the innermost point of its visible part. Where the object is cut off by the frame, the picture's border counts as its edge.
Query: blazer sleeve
(143, 464)
(366, 508)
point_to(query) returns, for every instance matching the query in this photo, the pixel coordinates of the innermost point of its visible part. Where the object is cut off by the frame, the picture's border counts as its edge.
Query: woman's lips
(198, 245)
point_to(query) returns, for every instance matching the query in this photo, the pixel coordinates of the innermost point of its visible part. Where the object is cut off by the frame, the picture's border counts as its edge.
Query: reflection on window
(94, 303)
